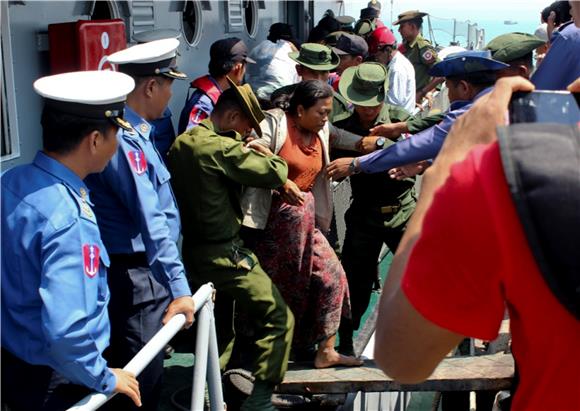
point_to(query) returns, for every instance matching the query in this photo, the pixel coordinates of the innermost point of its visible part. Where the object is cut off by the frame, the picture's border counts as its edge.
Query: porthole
(192, 22)
(104, 10)
(251, 17)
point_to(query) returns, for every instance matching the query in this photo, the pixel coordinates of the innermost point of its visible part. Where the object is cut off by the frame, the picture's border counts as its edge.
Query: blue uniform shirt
(135, 206)
(561, 66)
(54, 285)
(163, 133)
(421, 146)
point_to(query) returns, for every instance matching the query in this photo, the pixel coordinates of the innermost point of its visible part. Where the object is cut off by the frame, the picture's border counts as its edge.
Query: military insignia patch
(428, 56)
(138, 161)
(197, 116)
(90, 259)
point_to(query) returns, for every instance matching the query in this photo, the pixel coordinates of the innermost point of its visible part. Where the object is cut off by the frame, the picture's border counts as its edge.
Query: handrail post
(201, 353)
(204, 294)
(214, 380)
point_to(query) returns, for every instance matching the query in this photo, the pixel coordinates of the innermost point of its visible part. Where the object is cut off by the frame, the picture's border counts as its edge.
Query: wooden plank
(480, 373)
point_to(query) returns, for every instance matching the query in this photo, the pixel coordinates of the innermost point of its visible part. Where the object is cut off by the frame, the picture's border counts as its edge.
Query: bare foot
(328, 357)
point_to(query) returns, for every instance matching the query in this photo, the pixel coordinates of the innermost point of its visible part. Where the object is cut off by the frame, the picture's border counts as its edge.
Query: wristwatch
(380, 143)
(353, 167)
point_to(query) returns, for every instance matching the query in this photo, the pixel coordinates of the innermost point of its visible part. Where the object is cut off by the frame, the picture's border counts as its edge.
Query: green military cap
(345, 22)
(511, 46)
(333, 37)
(249, 104)
(409, 15)
(365, 84)
(317, 57)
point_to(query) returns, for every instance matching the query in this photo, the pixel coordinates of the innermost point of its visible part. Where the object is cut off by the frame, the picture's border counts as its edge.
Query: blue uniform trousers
(27, 387)
(137, 306)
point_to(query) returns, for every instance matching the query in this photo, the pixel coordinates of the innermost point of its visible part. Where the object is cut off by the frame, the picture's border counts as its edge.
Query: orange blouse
(304, 161)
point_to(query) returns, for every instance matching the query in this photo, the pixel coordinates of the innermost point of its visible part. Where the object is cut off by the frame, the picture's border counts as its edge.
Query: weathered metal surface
(480, 373)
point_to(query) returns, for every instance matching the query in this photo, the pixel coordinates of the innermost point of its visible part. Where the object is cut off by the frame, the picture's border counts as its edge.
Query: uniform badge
(144, 128)
(86, 209)
(197, 116)
(428, 55)
(138, 161)
(91, 259)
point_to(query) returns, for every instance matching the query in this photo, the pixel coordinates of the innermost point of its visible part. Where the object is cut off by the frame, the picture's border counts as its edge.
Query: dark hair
(63, 132)
(480, 79)
(221, 68)
(139, 80)
(527, 60)
(317, 35)
(417, 22)
(307, 94)
(329, 23)
(226, 102)
(562, 10)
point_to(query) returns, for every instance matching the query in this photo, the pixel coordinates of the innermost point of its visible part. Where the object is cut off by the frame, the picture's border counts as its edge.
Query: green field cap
(316, 56)
(511, 46)
(365, 84)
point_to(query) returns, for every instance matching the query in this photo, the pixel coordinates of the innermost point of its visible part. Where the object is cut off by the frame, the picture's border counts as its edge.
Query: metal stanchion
(214, 380)
(154, 346)
(201, 351)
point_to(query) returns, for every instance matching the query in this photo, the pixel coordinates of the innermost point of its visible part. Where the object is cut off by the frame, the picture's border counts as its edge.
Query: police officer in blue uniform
(163, 134)
(139, 220)
(55, 324)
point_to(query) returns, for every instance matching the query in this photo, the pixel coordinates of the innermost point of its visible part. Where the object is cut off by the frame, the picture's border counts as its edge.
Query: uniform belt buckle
(389, 209)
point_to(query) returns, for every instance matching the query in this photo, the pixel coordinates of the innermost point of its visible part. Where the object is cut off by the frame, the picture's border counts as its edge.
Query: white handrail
(93, 401)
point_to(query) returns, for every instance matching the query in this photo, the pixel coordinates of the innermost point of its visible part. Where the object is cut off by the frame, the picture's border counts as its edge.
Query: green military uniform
(422, 56)
(209, 170)
(419, 52)
(380, 206)
(416, 124)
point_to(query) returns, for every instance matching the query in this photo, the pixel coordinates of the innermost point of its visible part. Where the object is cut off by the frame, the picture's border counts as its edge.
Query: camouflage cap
(364, 28)
(409, 15)
(316, 56)
(365, 84)
(466, 62)
(511, 46)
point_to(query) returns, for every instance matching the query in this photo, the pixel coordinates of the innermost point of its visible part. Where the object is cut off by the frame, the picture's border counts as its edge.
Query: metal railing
(206, 356)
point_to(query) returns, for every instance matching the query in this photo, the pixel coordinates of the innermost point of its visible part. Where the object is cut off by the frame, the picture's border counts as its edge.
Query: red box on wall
(85, 44)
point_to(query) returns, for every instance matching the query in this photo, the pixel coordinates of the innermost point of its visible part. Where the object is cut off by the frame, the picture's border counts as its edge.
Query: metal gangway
(206, 366)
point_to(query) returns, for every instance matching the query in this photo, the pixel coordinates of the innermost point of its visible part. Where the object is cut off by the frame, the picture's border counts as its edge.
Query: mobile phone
(543, 106)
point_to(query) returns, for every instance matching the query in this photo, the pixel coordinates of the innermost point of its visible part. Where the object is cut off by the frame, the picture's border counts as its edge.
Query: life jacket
(200, 86)
(541, 164)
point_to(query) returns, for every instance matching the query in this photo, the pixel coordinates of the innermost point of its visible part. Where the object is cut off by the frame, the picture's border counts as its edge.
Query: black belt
(130, 260)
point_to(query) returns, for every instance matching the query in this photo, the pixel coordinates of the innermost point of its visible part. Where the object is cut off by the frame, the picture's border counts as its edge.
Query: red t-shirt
(472, 260)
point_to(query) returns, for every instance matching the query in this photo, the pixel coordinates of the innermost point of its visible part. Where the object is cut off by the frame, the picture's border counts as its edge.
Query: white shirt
(401, 83)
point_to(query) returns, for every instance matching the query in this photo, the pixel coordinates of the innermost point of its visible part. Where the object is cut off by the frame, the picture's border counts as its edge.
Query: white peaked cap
(86, 87)
(150, 52)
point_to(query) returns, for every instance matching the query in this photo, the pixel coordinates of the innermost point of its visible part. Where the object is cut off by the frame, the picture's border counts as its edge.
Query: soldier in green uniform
(380, 206)
(315, 61)
(515, 49)
(210, 165)
(418, 50)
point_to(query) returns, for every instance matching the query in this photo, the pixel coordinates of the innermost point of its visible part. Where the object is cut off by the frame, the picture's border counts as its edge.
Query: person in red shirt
(463, 260)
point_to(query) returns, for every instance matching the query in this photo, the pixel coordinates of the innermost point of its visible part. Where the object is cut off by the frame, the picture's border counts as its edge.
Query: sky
(488, 14)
